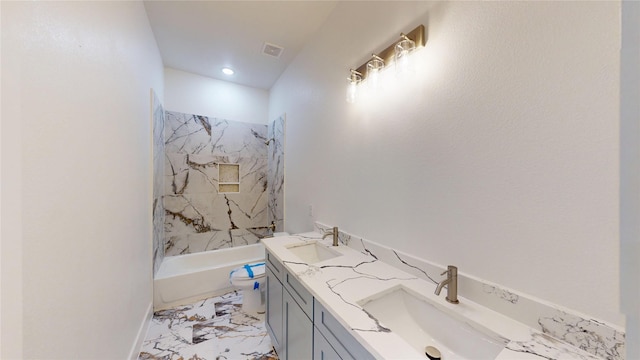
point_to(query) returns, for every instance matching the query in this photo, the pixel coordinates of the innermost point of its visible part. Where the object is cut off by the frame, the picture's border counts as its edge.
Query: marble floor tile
(211, 329)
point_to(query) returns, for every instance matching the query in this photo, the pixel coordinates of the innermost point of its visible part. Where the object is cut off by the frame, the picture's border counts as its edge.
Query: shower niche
(228, 178)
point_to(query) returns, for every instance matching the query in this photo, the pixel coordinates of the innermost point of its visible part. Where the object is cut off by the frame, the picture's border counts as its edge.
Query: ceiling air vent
(272, 50)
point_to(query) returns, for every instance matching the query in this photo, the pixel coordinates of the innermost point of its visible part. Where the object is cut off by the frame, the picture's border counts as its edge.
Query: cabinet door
(298, 292)
(273, 316)
(347, 347)
(298, 341)
(276, 266)
(322, 350)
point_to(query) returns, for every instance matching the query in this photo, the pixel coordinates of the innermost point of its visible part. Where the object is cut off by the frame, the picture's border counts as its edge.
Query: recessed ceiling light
(227, 71)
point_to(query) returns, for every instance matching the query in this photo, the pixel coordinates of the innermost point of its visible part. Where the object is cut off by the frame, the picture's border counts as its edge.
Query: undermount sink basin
(312, 252)
(417, 321)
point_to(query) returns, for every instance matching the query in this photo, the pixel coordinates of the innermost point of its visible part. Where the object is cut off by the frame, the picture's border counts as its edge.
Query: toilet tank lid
(248, 271)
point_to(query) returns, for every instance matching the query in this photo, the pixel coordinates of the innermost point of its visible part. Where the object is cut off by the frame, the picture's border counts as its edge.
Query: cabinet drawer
(345, 345)
(276, 266)
(299, 293)
(322, 350)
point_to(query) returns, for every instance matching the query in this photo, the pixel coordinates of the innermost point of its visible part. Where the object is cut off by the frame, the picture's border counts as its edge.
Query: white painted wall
(195, 94)
(76, 131)
(500, 155)
(630, 174)
(10, 202)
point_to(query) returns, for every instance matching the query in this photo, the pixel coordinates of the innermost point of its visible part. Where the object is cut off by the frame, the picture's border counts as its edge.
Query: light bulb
(403, 50)
(352, 86)
(352, 92)
(374, 66)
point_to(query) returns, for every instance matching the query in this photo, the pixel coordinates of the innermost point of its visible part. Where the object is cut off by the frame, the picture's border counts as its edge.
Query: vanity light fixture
(402, 51)
(398, 53)
(374, 66)
(352, 85)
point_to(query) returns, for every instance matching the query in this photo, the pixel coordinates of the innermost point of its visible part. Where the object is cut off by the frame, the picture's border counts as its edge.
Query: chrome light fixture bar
(387, 56)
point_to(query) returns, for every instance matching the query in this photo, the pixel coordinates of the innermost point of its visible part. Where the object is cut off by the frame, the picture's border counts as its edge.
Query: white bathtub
(187, 278)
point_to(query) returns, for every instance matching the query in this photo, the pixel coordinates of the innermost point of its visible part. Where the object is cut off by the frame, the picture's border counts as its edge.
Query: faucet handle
(452, 270)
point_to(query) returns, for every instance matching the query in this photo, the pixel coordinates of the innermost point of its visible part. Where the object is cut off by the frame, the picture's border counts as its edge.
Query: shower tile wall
(275, 183)
(158, 177)
(198, 217)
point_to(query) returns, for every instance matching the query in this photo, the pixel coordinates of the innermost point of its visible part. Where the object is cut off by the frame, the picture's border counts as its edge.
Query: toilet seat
(247, 272)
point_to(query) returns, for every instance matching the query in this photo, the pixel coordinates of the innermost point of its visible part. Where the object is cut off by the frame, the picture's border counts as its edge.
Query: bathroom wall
(499, 155)
(199, 217)
(629, 170)
(275, 172)
(195, 94)
(157, 112)
(76, 178)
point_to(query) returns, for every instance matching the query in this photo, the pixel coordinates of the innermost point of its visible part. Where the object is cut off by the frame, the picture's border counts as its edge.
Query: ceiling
(202, 37)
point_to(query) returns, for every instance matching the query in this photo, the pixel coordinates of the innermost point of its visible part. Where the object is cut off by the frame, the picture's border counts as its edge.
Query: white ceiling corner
(202, 37)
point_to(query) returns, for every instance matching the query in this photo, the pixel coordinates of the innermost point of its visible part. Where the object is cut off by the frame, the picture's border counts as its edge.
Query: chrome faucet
(452, 281)
(334, 233)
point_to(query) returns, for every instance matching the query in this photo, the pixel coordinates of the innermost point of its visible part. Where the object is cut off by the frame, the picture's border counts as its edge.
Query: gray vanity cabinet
(289, 313)
(298, 333)
(299, 326)
(337, 338)
(273, 316)
(322, 350)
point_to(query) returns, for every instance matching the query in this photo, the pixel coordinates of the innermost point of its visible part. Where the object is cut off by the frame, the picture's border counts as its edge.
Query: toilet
(250, 279)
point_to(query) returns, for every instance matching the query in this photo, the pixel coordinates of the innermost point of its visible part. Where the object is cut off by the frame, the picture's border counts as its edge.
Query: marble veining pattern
(543, 346)
(211, 329)
(595, 337)
(341, 281)
(501, 293)
(275, 174)
(587, 334)
(158, 177)
(197, 216)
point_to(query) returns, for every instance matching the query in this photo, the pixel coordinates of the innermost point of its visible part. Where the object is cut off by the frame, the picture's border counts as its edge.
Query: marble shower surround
(157, 114)
(198, 217)
(275, 173)
(593, 336)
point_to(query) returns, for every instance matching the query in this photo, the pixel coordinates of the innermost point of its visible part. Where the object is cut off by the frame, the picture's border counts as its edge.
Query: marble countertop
(342, 282)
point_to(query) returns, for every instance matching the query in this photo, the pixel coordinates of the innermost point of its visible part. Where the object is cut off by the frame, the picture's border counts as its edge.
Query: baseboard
(142, 333)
